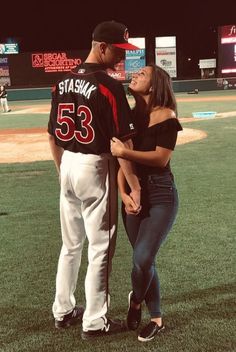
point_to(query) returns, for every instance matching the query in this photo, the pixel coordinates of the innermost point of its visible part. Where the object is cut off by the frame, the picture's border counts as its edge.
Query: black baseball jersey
(3, 93)
(88, 108)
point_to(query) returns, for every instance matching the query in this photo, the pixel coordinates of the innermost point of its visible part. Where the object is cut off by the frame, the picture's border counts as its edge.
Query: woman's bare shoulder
(160, 115)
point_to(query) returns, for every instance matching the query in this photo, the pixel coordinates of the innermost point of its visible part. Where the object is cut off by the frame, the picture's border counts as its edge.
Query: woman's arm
(122, 184)
(130, 206)
(158, 157)
(128, 168)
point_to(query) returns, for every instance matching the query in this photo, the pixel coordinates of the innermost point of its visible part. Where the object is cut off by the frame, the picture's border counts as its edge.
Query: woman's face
(141, 81)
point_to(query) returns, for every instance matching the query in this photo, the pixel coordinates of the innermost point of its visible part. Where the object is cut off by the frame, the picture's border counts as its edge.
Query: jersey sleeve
(123, 126)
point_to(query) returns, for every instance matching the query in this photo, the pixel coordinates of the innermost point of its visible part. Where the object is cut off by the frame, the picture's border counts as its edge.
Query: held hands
(131, 207)
(135, 196)
(117, 147)
(131, 201)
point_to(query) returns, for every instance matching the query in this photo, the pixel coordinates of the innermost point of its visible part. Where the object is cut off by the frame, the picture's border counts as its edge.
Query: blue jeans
(146, 233)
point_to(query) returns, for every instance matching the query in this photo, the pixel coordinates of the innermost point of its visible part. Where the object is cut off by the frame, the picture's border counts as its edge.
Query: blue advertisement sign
(134, 60)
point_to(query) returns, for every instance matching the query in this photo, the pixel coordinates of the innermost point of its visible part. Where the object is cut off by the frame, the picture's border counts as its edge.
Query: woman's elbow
(161, 163)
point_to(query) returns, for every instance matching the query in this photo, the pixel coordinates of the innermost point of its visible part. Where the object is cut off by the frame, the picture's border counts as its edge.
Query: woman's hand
(136, 197)
(117, 147)
(130, 205)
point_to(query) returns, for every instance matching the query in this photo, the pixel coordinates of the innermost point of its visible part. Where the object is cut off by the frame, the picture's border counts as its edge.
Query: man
(3, 99)
(88, 108)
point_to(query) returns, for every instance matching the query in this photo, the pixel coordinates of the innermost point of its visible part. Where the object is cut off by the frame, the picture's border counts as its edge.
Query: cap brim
(126, 46)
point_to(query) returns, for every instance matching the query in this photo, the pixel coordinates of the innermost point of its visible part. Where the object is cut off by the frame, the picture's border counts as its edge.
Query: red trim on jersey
(107, 93)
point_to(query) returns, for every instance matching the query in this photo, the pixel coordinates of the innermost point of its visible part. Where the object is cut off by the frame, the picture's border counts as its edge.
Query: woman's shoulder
(160, 115)
(167, 121)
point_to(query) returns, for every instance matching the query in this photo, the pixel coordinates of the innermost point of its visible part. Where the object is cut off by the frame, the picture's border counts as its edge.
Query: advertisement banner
(54, 62)
(226, 50)
(228, 34)
(166, 59)
(12, 48)
(4, 72)
(42, 68)
(134, 60)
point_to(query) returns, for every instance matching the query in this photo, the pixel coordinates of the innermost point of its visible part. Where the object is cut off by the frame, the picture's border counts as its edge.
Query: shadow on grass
(202, 294)
(216, 302)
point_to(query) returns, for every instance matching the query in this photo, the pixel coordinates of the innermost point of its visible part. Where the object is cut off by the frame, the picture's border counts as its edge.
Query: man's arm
(56, 152)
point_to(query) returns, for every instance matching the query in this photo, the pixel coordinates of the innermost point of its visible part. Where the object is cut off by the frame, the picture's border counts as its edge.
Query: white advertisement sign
(166, 59)
(207, 63)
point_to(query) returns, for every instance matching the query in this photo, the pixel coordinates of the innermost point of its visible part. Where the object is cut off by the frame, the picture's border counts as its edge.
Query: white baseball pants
(88, 208)
(4, 104)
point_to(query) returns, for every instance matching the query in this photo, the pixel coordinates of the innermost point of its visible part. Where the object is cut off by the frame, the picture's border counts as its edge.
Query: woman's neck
(146, 98)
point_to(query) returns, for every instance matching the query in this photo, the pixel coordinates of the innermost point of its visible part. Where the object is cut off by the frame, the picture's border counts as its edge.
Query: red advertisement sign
(228, 34)
(54, 62)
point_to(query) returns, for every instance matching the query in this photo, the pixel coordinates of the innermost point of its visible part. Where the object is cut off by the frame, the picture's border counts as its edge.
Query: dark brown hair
(161, 95)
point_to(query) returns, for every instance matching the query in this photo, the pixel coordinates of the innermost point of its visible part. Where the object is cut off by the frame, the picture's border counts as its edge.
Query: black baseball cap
(115, 33)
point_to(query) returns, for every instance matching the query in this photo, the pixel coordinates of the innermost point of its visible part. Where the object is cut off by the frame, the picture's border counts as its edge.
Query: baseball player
(3, 99)
(88, 108)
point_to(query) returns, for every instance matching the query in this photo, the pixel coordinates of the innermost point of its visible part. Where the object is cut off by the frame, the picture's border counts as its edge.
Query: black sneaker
(134, 315)
(111, 327)
(150, 331)
(71, 318)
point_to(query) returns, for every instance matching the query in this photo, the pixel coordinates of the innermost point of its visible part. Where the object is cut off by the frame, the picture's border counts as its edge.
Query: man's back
(89, 107)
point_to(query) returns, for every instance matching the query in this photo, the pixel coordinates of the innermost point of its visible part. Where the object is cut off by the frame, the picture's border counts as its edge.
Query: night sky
(56, 25)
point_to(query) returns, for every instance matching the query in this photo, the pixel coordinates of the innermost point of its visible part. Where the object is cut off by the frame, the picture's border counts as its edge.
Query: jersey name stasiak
(79, 86)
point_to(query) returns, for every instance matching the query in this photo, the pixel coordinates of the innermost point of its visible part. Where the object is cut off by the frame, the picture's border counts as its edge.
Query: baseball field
(197, 263)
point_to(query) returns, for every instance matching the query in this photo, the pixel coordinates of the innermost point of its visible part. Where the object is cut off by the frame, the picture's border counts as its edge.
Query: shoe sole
(101, 333)
(129, 298)
(64, 326)
(97, 335)
(143, 339)
(67, 324)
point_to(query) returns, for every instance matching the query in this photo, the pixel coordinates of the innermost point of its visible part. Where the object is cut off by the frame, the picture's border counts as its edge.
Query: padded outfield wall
(179, 86)
(31, 75)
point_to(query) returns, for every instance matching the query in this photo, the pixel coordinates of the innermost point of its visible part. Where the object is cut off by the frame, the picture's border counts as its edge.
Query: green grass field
(196, 264)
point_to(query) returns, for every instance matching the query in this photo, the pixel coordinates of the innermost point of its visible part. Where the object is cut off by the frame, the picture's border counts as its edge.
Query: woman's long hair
(161, 95)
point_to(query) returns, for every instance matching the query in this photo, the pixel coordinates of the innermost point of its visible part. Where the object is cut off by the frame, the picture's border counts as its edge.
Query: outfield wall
(178, 86)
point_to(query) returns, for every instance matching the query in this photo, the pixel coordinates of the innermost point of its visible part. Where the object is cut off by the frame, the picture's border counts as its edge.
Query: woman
(155, 113)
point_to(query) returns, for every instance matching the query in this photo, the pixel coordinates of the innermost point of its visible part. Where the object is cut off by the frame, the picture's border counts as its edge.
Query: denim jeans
(146, 233)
